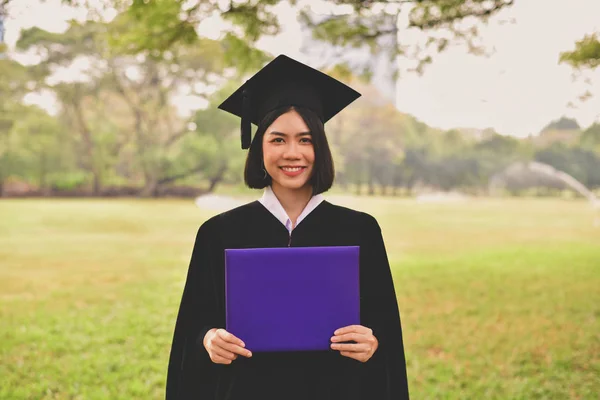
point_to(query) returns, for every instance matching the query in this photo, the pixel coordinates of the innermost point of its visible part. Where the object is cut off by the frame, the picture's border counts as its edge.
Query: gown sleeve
(191, 373)
(384, 374)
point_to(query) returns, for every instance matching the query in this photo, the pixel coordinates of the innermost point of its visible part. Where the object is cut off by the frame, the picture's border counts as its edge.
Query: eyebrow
(276, 133)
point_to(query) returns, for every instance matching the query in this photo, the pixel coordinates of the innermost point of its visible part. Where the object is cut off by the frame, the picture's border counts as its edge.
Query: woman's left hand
(365, 346)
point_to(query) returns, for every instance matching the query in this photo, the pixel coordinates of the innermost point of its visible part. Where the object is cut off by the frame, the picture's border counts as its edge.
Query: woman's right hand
(223, 347)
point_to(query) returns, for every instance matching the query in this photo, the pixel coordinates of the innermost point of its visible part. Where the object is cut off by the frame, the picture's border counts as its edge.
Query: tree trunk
(44, 187)
(371, 188)
(88, 144)
(150, 188)
(218, 177)
(341, 181)
(213, 183)
(410, 184)
(143, 129)
(97, 182)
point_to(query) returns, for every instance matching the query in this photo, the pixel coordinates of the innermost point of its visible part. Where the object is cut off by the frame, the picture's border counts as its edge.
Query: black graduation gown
(287, 375)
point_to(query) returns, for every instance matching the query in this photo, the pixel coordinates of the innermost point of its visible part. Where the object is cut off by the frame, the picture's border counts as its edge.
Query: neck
(293, 201)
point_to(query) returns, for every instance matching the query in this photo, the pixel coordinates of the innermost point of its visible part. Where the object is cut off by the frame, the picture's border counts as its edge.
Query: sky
(517, 90)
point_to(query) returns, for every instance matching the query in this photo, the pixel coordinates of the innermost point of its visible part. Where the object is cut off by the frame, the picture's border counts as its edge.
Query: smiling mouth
(292, 169)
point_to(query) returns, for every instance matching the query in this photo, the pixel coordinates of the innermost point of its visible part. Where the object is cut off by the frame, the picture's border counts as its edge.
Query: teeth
(291, 169)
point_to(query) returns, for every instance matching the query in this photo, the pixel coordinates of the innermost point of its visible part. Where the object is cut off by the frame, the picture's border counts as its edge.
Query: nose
(292, 151)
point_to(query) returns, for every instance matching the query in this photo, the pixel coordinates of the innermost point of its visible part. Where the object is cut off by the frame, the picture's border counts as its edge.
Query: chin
(291, 185)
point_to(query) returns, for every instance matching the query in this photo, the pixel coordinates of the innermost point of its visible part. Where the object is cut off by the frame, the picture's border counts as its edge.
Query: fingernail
(333, 339)
(249, 354)
(243, 344)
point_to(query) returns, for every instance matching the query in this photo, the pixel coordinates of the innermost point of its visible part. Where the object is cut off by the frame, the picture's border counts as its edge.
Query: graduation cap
(287, 82)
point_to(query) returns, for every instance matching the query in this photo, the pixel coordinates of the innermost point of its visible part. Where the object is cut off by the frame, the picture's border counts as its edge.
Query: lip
(294, 173)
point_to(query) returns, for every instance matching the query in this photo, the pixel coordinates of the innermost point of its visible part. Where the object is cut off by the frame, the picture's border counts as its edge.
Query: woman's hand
(223, 347)
(365, 346)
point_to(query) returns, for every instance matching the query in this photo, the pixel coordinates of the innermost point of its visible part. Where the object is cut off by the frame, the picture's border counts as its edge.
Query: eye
(277, 140)
(306, 140)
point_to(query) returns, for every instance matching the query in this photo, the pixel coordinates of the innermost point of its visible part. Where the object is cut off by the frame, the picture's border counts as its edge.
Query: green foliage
(119, 127)
(582, 164)
(122, 118)
(374, 144)
(254, 17)
(14, 78)
(586, 53)
(366, 22)
(13, 81)
(562, 124)
(71, 181)
(155, 26)
(245, 58)
(590, 138)
(346, 30)
(437, 13)
(33, 150)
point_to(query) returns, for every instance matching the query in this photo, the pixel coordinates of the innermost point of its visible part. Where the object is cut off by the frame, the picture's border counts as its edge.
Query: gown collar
(271, 203)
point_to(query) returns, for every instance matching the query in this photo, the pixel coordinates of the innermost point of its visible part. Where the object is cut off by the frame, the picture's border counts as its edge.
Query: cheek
(267, 154)
(270, 156)
(310, 155)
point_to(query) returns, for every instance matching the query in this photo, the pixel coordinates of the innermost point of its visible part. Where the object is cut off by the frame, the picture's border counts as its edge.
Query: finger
(353, 328)
(352, 347)
(230, 342)
(357, 337)
(234, 349)
(357, 356)
(217, 359)
(224, 353)
(229, 337)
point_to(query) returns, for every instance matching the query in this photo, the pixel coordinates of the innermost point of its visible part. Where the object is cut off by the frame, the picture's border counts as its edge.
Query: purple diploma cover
(291, 298)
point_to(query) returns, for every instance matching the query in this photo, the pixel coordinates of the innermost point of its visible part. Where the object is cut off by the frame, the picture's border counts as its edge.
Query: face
(288, 152)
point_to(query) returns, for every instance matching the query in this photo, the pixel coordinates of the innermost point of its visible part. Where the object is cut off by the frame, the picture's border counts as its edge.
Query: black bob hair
(323, 170)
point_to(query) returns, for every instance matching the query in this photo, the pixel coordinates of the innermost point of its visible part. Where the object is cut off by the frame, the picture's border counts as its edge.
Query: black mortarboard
(287, 82)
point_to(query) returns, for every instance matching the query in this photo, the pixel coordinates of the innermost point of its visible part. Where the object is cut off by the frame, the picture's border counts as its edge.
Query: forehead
(289, 122)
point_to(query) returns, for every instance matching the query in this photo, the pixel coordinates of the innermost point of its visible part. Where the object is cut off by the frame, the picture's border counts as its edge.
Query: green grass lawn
(500, 299)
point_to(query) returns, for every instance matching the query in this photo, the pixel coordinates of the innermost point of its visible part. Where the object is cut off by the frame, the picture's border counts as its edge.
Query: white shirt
(271, 203)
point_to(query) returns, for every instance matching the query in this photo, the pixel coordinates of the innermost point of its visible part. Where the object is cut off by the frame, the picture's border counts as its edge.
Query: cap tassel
(246, 120)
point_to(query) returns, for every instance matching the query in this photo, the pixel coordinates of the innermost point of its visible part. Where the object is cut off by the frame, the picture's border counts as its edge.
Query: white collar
(271, 203)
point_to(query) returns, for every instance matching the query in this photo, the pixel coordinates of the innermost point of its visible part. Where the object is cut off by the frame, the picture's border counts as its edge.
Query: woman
(290, 158)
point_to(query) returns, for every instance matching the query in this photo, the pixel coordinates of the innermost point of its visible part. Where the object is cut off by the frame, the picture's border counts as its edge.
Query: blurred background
(476, 144)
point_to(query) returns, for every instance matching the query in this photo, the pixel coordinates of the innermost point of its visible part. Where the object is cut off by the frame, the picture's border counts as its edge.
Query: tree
(78, 41)
(497, 152)
(585, 55)
(212, 151)
(590, 138)
(366, 141)
(141, 85)
(160, 24)
(582, 164)
(38, 141)
(375, 24)
(562, 124)
(13, 85)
